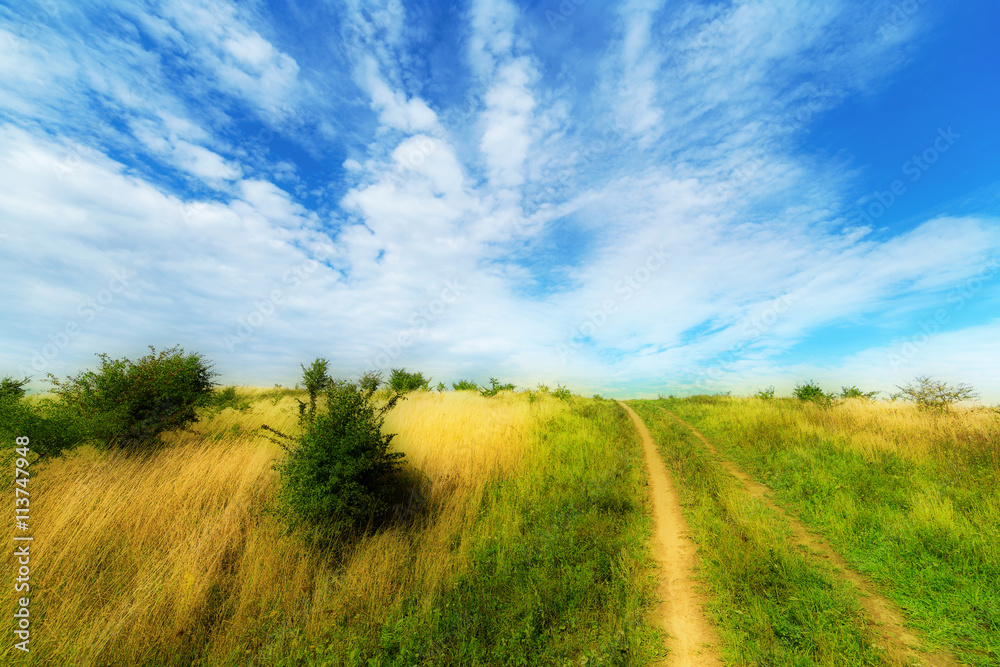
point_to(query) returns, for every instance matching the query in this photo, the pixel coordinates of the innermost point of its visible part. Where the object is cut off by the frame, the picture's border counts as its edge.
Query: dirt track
(692, 640)
(900, 642)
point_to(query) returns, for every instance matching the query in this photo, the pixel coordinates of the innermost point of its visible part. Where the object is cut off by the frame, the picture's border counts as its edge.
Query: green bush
(129, 404)
(766, 394)
(810, 391)
(228, 397)
(465, 385)
(561, 392)
(854, 392)
(49, 425)
(495, 388)
(371, 380)
(402, 381)
(339, 471)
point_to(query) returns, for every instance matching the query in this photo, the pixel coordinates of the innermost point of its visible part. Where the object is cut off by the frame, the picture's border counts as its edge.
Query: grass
(522, 542)
(769, 602)
(910, 498)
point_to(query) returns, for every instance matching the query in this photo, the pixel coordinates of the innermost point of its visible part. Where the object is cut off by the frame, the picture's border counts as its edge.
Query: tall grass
(169, 558)
(910, 498)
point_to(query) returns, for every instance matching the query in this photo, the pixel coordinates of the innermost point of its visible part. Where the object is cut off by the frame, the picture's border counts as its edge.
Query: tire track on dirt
(900, 642)
(692, 640)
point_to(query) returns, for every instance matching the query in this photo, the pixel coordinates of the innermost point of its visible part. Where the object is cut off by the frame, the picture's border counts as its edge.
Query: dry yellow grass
(141, 560)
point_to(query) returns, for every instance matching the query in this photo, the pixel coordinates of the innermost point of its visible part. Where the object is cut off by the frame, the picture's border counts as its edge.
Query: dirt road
(900, 642)
(692, 640)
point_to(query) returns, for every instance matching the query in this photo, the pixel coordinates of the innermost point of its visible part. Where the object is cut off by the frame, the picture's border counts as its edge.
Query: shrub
(931, 394)
(441, 387)
(766, 394)
(543, 388)
(228, 397)
(810, 391)
(371, 380)
(495, 388)
(561, 392)
(402, 381)
(129, 404)
(50, 428)
(465, 385)
(339, 471)
(854, 392)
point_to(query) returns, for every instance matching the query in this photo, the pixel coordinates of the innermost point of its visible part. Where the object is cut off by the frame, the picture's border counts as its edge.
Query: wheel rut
(692, 640)
(899, 642)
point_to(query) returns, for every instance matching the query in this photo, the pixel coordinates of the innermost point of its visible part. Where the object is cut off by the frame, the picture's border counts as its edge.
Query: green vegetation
(402, 381)
(129, 404)
(52, 429)
(770, 603)
(910, 498)
(495, 388)
(465, 385)
(854, 392)
(558, 573)
(931, 394)
(810, 391)
(765, 394)
(339, 471)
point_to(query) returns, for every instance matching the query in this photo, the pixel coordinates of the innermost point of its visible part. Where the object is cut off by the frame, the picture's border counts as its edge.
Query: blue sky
(627, 198)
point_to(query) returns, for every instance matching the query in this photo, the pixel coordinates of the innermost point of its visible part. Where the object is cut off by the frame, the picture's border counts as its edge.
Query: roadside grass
(771, 604)
(168, 558)
(910, 498)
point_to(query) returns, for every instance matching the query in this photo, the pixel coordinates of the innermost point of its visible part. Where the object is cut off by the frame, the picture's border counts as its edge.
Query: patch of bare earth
(900, 642)
(692, 639)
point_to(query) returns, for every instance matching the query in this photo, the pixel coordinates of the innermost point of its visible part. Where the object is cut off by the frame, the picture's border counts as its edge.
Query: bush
(465, 385)
(441, 387)
(495, 388)
(766, 394)
(811, 391)
(228, 397)
(561, 392)
(854, 392)
(339, 471)
(402, 381)
(129, 404)
(930, 394)
(371, 380)
(50, 428)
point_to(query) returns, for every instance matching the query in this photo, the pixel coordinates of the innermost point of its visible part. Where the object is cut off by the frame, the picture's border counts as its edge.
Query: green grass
(918, 514)
(771, 604)
(560, 572)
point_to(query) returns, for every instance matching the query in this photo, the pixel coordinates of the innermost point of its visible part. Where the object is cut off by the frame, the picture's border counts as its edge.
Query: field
(538, 531)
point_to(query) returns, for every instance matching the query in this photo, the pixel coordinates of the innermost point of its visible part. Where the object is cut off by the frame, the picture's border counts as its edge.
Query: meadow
(909, 498)
(522, 541)
(524, 537)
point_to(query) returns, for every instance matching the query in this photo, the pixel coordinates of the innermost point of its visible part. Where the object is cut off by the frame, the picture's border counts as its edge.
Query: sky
(626, 198)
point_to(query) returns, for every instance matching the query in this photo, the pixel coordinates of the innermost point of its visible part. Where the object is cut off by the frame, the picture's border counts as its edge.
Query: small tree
(465, 385)
(402, 381)
(314, 379)
(339, 471)
(561, 392)
(129, 404)
(931, 394)
(371, 380)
